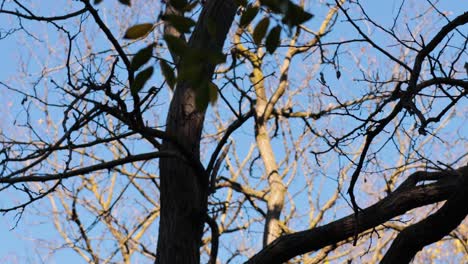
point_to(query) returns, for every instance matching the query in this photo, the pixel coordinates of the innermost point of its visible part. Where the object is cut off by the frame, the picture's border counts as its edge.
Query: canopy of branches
(232, 131)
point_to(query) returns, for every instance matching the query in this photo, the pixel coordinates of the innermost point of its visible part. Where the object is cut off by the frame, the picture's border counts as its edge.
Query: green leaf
(176, 45)
(211, 27)
(260, 30)
(241, 2)
(195, 56)
(202, 96)
(273, 39)
(191, 73)
(248, 15)
(125, 2)
(168, 73)
(212, 93)
(295, 15)
(206, 93)
(181, 23)
(276, 6)
(178, 4)
(138, 31)
(142, 57)
(141, 79)
(214, 57)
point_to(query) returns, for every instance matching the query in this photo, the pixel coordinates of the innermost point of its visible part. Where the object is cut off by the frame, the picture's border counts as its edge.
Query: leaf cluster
(292, 15)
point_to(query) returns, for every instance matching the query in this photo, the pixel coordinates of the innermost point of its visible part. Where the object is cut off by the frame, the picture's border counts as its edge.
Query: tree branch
(432, 229)
(407, 197)
(89, 169)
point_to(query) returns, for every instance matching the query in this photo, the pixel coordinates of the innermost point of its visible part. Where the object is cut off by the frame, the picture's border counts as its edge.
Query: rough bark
(432, 229)
(408, 196)
(183, 190)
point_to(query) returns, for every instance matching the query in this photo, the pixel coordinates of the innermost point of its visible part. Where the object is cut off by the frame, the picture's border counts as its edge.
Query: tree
(390, 110)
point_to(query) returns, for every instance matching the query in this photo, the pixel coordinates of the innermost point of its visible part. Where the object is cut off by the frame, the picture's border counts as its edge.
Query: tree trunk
(183, 190)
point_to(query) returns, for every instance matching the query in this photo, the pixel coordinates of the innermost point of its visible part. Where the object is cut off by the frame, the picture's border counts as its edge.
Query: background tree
(303, 109)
